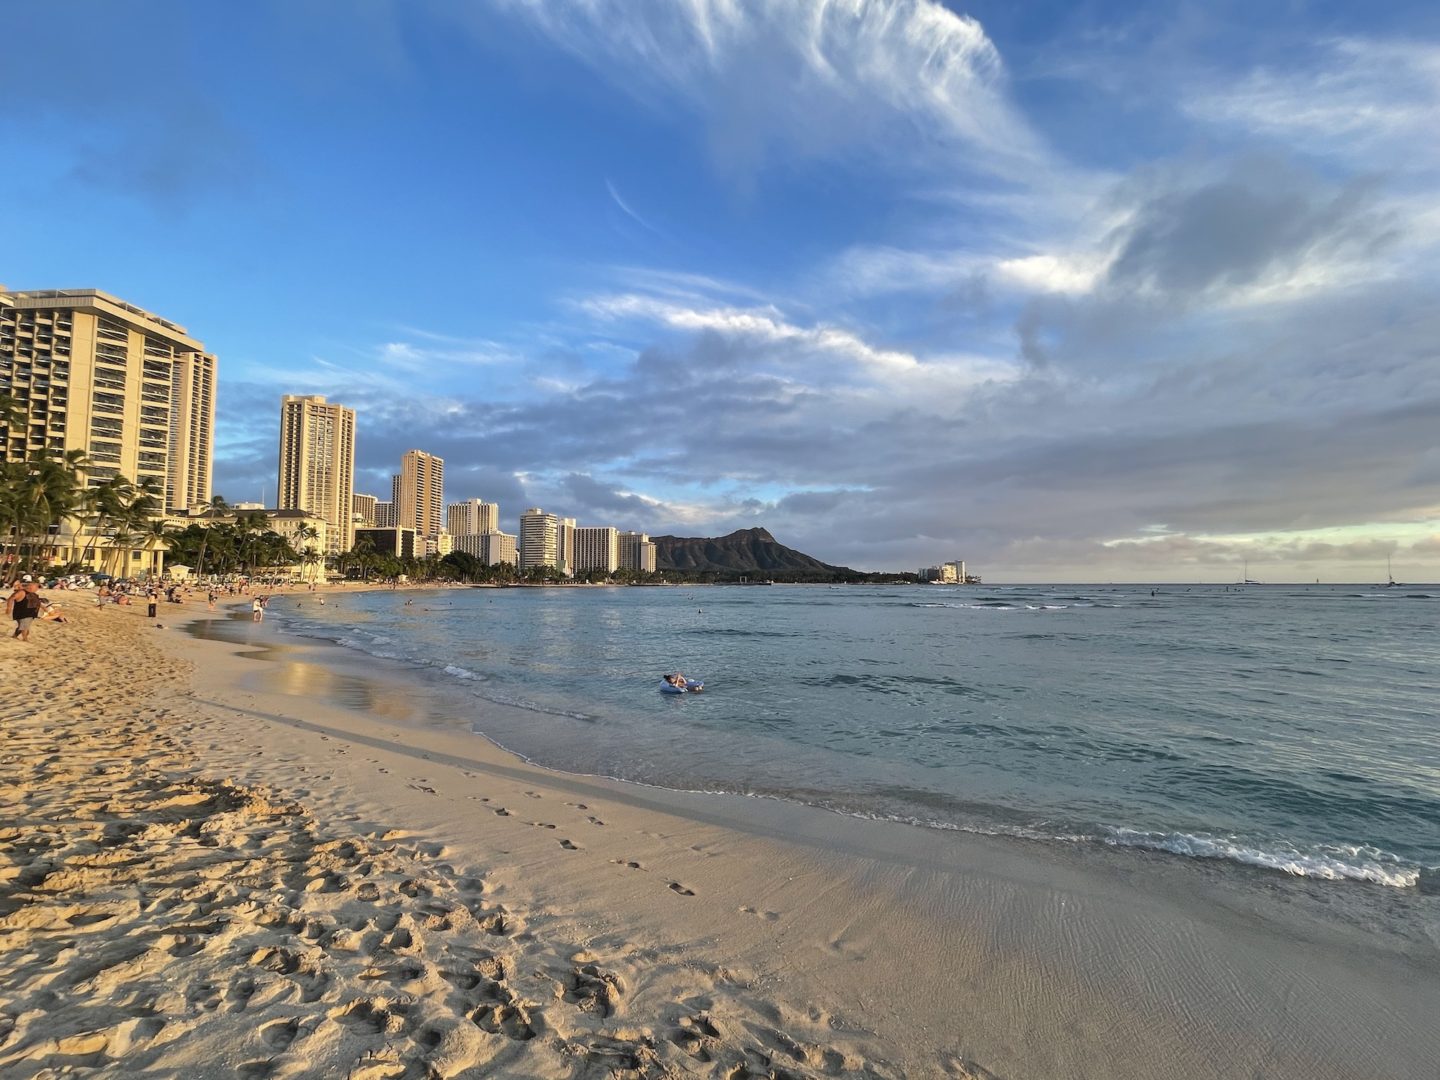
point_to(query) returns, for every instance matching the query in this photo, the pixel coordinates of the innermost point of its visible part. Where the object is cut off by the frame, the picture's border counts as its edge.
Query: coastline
(714, 933)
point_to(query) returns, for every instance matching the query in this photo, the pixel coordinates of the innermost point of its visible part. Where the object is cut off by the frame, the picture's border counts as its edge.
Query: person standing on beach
(211, 598)
(17, 594)
(257, 610)
(23, 605)
(152, 602)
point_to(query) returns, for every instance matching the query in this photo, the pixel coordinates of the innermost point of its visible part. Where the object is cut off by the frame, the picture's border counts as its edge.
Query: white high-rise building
(472, 517)
(317, 464)
(384, 515)
(539, 539)
(595, 549)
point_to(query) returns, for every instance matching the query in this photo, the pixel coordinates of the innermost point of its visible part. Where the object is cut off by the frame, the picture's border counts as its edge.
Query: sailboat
(1246, 579)
(1391, 583)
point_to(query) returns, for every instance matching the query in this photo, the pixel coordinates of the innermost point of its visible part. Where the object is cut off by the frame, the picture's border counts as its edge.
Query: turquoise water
(1289, 727)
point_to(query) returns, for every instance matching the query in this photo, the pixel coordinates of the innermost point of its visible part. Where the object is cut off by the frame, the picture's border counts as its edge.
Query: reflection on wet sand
(297, 671)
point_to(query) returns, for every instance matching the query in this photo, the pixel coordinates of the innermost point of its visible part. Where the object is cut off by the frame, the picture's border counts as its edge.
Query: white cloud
(767, 327)
(1358, 99)
(813, 75)
(1067, 275)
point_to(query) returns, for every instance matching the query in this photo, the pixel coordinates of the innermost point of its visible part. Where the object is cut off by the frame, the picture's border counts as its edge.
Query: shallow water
(1288, 727)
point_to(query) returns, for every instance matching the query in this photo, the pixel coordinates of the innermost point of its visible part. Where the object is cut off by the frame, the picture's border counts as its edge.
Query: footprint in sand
(676, 887)
(279, 1034)
(631, 863)
(594, 820)
(568, 846)
(768, 916)
(500, 811)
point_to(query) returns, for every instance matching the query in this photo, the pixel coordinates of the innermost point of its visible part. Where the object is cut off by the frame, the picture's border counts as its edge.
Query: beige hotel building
(637, 552)
(419, 493)
(472, 517)
(134, 391)
(317, 464)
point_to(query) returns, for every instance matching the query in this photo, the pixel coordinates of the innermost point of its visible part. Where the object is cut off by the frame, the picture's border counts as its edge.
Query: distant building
(317, 464)
(384, 515)
(134, 391)
(363, 508)
(293, 525)
(395, 541)
(441, 543)
(420, 493)
(595, 549)
(565, 545)
(637, 552)
(472, 517)
(950, 573)
(490, 548)
(539, 539)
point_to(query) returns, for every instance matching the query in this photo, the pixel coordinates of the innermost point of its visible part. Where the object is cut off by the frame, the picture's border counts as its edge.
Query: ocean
(1288, 727)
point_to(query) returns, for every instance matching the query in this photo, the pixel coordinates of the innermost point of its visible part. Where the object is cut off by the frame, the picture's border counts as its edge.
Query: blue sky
(1085, 291)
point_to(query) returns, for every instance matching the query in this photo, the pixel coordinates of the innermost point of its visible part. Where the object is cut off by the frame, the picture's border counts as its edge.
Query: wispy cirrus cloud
(1362, 100)
(806, 76)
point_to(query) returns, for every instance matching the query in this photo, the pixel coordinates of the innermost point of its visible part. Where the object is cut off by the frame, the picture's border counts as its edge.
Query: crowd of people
(26, 606)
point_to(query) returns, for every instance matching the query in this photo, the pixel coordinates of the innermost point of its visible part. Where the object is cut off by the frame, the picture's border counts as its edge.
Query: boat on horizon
(1390, 582)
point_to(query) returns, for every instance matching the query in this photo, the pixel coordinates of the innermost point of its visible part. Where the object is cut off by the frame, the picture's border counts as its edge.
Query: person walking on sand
(17, 594)
(23, 606)
(211, 598)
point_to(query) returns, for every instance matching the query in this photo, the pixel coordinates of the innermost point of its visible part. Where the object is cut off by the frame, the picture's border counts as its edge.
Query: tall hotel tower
(539, 539)
(419, 493)
(134, 391)
(317, 464)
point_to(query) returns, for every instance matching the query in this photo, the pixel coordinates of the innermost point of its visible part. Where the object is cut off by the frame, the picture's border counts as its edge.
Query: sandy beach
(238, 854)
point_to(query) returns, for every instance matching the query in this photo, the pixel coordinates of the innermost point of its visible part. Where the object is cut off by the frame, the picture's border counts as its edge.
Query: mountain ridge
(741, 553)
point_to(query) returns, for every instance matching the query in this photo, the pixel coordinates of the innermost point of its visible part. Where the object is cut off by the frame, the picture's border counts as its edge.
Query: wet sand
(266, 859)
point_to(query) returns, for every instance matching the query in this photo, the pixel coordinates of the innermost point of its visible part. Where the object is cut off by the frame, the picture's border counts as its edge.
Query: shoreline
(883, 948)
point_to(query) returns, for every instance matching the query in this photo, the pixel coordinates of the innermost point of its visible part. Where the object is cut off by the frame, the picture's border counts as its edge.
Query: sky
(1071, 291)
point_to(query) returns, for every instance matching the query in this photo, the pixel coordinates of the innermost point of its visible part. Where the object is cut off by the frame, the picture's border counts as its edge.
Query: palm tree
(307, 535)
(39, 494)
(157, 534)
(364, 555)
(248, 526)
(218, 508)
(224, 548)
(13, 413)
(107, 500)
(310, 556)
